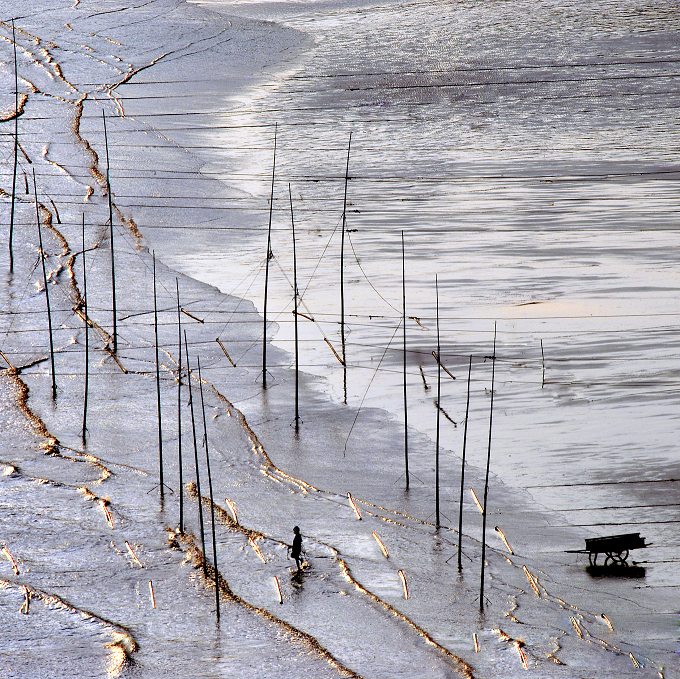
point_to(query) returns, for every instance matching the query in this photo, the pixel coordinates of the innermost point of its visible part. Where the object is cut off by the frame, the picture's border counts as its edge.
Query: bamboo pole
(353, 504)
(225, 352)
(404, 584)
(179, 410)
(26, 605)
(462, 471)
(11, 559)
(277, 587)
(113, 262)
(210, 490)
(295, 313)
(47, 290)
(381, 544)
(16, 151)
(266, 267)
(543, 364)
(403, 321)
(488, 463)
(158, 381)
(439, 395)
(342, 275)
(196, 465)
(87, 340)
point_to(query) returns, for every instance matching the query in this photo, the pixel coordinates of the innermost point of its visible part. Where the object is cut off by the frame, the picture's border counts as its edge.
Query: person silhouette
(296, 551)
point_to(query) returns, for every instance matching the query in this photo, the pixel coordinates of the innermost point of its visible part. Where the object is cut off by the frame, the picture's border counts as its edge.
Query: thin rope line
(368, 280)
(375, 372)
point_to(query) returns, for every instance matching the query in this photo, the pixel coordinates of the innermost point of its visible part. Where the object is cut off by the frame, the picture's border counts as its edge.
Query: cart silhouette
(615, 549)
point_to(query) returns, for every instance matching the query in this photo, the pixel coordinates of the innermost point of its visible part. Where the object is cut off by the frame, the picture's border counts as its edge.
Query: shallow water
(526, 150)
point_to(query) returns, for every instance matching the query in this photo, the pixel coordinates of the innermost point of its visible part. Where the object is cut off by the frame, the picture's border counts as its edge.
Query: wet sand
(348, 614)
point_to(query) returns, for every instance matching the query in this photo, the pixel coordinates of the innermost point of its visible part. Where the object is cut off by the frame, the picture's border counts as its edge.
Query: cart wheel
(592, 558)
(616, 558)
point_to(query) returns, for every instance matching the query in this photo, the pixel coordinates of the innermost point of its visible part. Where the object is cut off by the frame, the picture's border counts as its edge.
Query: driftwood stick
(426, 386)
(225, 352)
(404, 584)
(192, 316)
(10, 365)
(332, 348)
(56, 211)
(307, 316)
(437, 358)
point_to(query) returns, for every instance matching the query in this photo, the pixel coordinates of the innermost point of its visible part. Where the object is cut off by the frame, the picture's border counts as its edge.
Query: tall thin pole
(266, 267)
(488, 463)
(342, 275)
(47, 290)
(16, 150)
(179, 411)
(158, 380)
(210, 490)
(403, 321)
(543, 364)
(87, 340)
(462, 471)
(439, 395)
(113, 262)
(295, 314)
(198, 474)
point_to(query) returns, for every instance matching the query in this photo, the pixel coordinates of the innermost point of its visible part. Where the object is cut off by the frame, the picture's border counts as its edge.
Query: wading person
(296, 550)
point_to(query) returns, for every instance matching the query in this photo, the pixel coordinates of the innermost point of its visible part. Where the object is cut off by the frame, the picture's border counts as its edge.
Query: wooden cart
(615, 548)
